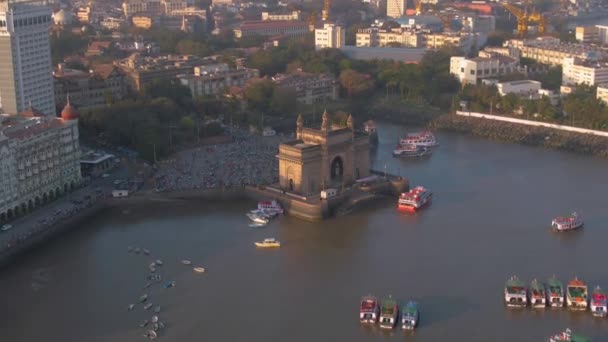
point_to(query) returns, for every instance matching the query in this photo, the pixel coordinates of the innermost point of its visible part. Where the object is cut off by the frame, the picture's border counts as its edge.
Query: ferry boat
(568, 336)
(410, 316)
(389, 311)
(270, 206)
(598, 303)
(515, 293)
(414, 199)
(269, 242)
(424, 138)
(538, 298)
(369, 310)
(576, 294)
(257, 218)
(411, 151)
(555, 292)
(567, 223)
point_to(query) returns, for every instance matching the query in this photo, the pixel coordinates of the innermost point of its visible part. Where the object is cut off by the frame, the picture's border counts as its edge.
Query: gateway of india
(323, 158)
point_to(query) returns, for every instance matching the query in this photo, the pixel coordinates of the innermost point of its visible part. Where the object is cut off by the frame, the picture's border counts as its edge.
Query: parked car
(6, 227)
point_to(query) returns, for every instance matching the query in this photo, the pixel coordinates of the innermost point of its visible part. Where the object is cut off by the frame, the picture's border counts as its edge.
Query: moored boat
(572, 222)
(410, 316)
(143, 298)
(515, 293)
(423, 138)
(568, 336)
(598, 302)
(257, 218)
(147, 306)
(415, 199)
(369, 309)
(577, 294)
(389, 311)
(130, 307)
(270, 206)
(538, 296)
(269, 242)
(186, 262)
(199, 269)
(555, 292)
(411, 151)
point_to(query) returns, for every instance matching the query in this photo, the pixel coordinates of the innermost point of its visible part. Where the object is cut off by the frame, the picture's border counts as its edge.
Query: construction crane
(312, 21)
(419, 7)
(524, 18)
(325, 13)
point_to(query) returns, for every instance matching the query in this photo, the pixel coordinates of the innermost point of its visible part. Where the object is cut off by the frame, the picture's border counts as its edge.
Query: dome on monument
(69, 112)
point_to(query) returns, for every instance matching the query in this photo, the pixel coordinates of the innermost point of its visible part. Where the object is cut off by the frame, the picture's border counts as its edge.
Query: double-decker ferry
(270, 206)
(410, 316)
(414, 199)
(598, 302)
(555, 292)
(538, 298)
(389, 311)
(411, 151)
(424, 138)
(576, 294)
(567, 223)
(516, 294)
(369, 310)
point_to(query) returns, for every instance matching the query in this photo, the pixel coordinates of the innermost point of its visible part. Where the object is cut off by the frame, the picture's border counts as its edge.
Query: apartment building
(579, 71)
(471, 70)
(215, 78)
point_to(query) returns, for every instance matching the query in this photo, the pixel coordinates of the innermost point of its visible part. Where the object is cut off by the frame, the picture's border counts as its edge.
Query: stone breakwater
(523, 134)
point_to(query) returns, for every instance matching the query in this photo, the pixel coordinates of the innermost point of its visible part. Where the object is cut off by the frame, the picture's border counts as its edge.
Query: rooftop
(277, 24)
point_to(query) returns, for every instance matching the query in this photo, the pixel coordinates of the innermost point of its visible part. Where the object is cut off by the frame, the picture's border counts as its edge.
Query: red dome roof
(69, 112)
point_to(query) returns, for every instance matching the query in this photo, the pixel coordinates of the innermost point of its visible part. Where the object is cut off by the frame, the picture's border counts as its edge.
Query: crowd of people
(48, 223)
(248, 160)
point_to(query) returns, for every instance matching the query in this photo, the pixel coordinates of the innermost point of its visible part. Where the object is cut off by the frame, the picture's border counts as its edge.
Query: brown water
(489, 219)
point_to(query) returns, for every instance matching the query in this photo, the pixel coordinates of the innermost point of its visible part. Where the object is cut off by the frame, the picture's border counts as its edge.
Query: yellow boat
(270, 242)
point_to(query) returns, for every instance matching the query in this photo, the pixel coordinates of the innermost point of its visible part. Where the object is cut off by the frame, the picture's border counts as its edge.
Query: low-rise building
(586, 34)
(216, 78)
(330, 36)
(111, 23)
(469, 71)
(520, 88)
(39, 159)
(309, 88)
(602, 92)
(407, 37)
(83, 15)
(577, 71)
(293, 15)
(289, 28)
(102, 85)
(552, 51)
(131, 7)
(142, 70)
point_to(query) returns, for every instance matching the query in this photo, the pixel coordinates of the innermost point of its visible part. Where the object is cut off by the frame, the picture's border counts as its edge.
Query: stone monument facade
(323, 158)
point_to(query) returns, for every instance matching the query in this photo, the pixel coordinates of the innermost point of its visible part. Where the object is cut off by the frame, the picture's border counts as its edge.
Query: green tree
(355, 83)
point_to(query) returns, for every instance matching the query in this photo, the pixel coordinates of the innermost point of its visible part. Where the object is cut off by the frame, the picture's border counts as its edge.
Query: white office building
(330, 36)
(25, 56)
(577, 71)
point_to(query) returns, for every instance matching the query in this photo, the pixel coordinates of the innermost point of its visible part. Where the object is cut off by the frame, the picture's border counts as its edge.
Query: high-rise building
(395, 8)
(25, 57)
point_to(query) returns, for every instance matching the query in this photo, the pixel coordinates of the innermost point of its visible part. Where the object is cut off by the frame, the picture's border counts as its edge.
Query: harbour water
(493, 204)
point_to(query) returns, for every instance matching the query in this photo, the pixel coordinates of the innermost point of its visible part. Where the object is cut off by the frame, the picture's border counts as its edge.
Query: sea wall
(539, 134)
(294, 205)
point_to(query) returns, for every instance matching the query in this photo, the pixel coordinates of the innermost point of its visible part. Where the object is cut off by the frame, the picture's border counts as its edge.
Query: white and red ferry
(411, 151)
(567, 223)
(270, 206)
(369, 310)
(424, 139)
(414, 199)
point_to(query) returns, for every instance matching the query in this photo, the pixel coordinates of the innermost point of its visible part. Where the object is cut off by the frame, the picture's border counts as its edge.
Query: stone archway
(336, 170)
(58, 192)
(65, 188)
(45, 198)
(17, 211)
(291, 186)
(30, 205)
(72, 186)
(9, 214)
(3, 217)
(37, 201)
(23, 207)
